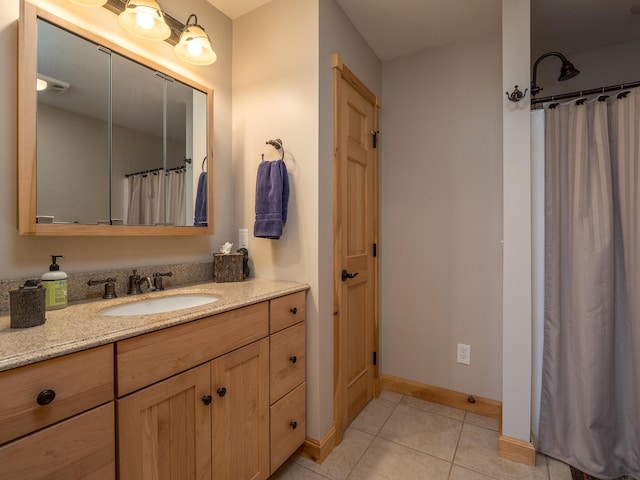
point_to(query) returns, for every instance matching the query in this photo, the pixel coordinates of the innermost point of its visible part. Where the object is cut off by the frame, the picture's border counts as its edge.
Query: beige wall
(275, 95)
(517, 253)
(25, 256)
(441, 256)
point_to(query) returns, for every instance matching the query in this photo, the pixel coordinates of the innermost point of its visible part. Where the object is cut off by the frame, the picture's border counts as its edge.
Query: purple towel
(272, 195)
(200, 214)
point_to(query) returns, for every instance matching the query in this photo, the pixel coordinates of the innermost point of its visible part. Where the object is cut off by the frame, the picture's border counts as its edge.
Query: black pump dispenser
(54, 267)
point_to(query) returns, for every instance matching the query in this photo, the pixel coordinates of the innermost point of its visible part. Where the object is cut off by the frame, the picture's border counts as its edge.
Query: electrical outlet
(464, 354)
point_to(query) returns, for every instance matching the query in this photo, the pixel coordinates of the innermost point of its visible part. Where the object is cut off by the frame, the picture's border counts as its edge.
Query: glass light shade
(145, 19)
(195, 47)
(90, 3)
(41, 84)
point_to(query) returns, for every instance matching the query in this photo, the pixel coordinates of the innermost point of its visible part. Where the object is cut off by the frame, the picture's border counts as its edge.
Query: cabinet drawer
(149, 358)
(287, 360)
(286, 311)
(82, 447)
(80, 381)
(287, 426)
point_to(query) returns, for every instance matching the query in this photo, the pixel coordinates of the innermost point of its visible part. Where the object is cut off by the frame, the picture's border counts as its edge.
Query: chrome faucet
(135, 281)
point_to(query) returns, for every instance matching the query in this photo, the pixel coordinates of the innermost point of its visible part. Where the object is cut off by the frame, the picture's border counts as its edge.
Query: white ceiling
(400, 27)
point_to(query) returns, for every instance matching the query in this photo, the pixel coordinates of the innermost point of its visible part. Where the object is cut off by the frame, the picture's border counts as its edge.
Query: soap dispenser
(55, 281)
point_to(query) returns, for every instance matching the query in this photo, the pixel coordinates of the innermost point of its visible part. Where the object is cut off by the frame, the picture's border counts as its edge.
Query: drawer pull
(293, 359)
(221, 391)
(293, 310)
(45, 397)
(293, 424)
(206, 399)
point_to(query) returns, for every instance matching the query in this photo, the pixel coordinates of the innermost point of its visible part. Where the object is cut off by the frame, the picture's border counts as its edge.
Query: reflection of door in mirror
(71, 130)
(115, 138)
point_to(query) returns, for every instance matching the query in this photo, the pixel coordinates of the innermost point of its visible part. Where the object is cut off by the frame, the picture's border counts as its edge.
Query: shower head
(567, 71)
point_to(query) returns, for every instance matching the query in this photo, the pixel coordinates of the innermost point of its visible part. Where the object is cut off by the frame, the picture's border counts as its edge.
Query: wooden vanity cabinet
(220, 398)
(57, 418)
(210, 421)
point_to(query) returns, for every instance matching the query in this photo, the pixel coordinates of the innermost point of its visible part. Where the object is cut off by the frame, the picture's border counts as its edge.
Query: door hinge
(374, 135)
(375, 358)
(375, 249)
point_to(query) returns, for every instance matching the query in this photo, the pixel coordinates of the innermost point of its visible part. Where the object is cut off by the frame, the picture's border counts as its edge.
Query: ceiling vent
(51, 85)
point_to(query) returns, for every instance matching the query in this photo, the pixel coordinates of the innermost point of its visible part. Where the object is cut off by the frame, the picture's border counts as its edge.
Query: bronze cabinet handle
(45, 397)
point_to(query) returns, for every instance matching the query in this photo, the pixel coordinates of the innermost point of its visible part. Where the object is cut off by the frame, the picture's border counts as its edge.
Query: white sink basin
(159, 305)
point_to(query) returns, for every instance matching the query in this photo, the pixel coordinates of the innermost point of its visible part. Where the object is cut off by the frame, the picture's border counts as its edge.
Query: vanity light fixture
(194, 45)
(90, 3)
(145, 19)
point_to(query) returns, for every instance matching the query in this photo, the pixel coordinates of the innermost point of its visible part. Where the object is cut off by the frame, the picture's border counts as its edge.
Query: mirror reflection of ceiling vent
(51, 85)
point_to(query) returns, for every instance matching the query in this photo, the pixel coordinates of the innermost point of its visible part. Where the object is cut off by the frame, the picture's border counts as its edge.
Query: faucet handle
(109, 287)
(157, 280)
(134, 287)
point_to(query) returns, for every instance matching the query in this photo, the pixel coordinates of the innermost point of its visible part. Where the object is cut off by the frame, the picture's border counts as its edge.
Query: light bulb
(41, 84)
(145, 20)
(195, 48)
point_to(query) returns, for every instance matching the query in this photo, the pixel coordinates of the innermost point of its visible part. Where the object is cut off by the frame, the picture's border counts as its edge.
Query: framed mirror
(109, 143)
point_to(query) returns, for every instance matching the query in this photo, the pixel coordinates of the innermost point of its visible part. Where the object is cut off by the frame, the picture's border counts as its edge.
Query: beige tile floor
(399, 437)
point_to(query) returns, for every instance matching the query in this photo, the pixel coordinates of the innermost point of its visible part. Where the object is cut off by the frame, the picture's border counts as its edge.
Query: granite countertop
(80, 326)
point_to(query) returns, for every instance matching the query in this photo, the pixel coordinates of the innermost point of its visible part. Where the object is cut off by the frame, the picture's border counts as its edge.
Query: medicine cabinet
(109, 143)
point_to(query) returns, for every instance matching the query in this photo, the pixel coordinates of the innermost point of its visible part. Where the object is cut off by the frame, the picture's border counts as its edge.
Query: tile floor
(399, 437)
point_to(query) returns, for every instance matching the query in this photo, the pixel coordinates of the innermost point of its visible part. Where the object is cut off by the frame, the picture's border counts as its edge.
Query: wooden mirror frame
(27, 117)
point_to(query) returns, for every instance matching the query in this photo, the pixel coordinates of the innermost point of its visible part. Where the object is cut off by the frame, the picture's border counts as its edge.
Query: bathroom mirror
(113, 144)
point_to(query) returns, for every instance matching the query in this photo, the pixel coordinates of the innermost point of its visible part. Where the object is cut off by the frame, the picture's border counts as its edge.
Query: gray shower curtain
(590, 402)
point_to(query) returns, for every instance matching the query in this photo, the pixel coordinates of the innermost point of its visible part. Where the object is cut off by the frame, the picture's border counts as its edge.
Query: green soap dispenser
(55, 281)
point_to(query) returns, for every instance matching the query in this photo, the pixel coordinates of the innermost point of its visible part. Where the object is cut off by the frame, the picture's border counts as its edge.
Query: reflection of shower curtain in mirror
(176, 206)
(146, 199)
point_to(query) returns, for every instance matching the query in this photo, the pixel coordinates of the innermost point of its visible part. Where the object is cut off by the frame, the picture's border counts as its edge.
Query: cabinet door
(240, 384)
(164, 431)
(81, 448)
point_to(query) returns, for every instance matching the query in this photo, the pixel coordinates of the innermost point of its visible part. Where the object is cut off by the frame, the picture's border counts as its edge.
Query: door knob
(346, 275)
(293, 359)
(206, 399)
(221, 391)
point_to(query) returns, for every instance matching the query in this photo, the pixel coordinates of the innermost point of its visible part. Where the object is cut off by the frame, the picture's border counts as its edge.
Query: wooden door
(164, 431)
(240, 384)
(355, 236)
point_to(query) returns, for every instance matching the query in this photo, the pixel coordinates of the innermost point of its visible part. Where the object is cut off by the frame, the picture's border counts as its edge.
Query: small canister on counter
(27, 306)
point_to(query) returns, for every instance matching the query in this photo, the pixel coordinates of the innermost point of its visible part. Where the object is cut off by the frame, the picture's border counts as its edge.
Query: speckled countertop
(80, 326)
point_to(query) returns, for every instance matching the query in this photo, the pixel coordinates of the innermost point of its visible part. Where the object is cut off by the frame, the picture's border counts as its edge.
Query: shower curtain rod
(582, 93)
(154, 170)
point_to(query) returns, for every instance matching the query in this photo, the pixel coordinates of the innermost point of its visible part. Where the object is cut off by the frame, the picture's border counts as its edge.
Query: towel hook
(203, 162)
(277, 144)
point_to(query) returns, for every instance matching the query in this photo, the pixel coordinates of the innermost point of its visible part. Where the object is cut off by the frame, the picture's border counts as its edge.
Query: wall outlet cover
(464, 354)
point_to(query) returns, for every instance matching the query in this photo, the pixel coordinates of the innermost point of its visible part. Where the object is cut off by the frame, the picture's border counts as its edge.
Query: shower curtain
(590, 399)
(147, 203)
